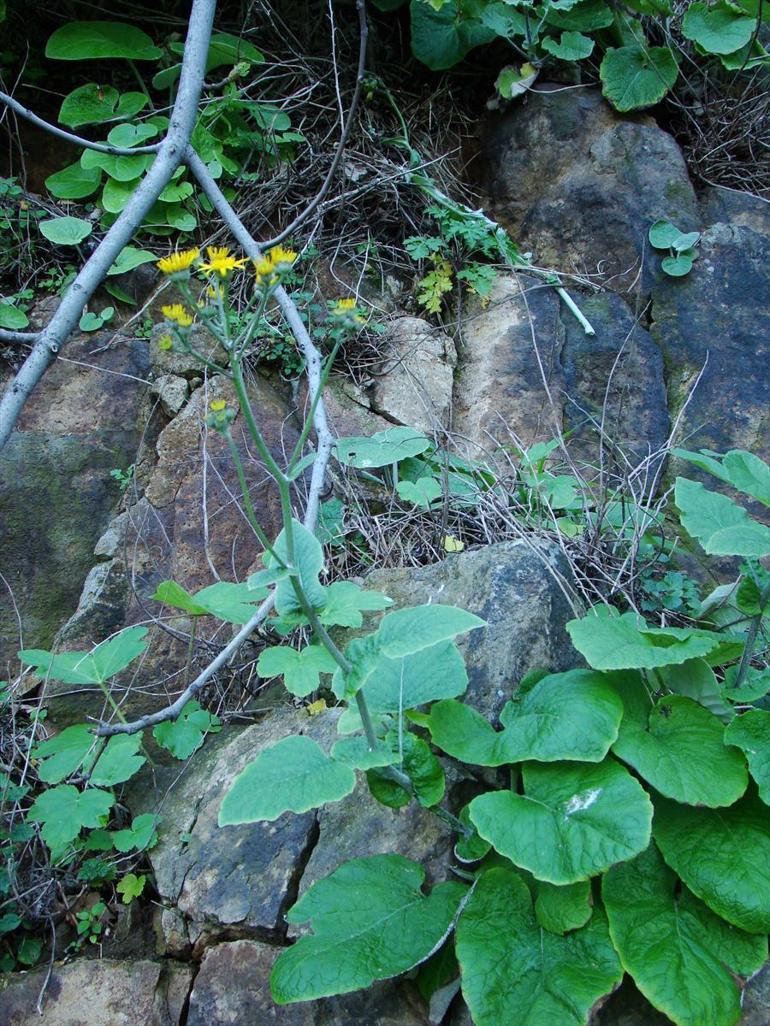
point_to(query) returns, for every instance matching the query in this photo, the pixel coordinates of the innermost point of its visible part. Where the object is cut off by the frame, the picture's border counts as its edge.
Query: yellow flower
(220, 261)
(265, 273)
(346, 309)
(164, 342)
(217, 405)
(175, 263)
(177, 313)
(281, 258)
(344, 305)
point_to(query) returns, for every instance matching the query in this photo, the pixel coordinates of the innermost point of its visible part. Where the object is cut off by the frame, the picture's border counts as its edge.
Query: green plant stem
(139, 78)
(251, 515)
(309, 419)
(751, 639)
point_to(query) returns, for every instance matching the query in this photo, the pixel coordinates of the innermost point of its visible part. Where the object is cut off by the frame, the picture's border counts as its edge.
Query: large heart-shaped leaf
(723, 855)
(84, 40)
(380, 449)
(94, 667)
(721, 526)
(678, 747)
(407, 631)
(514, 971)
(572, 822)
(308, 559)
(93, 104)
(718, 28)
(561, 909)
(293, 775)
(66, 231)
(573, 716)
(12, 317)
(233, 603)
(612, 641)
(637, 76)
(751, 733)
(74, 182)
(371, 921)
(679, 953)
(442, 37)
(743, 470)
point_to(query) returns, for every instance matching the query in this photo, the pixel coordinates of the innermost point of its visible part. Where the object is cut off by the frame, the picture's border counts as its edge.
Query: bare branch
(169, 155)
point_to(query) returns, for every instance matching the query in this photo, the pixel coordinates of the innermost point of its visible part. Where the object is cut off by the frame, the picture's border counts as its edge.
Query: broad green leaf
(612, 641)
(636, 76)
(93, 104)
(441, 38)
(129, 258)
(185, 734)
(74, 182)
(410, 630)
(131, 134)
(94, 667)
(117, 193)
(121, 168)
(345, 601)
(308, 560)
(63, 754)
(723, 855)
(387, 927)
(663, 234)
(300, 670)
(64, 811)
(293, 775)
(173, 594)
(680, 955)
(131, 886)
(381, 449)
(572, 822)
(696, 680)
(756, 685)
(420, 765)
(12, 318)
(84, 40)
(677, 266)
(470, 848)
(573, 46)
(751, 733)
(510, 83)
(355, 752)
(140, 835)
(573, 715)
(586, 16)
(233, 603)
(422, 492)
(515, 972)
(224, 49)
(684, 243)
(721, 526)
(718, 28)
(678, 747)
(561, 909)
(65, 231)
(395, 685)
(175, 192)
(748, 473)
(119, 761)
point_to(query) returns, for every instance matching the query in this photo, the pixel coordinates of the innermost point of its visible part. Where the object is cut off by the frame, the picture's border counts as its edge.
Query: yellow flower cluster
(220, 261)
(273, 264)
(177, 263)
(346, 309)
(177, 313)
(217, 405)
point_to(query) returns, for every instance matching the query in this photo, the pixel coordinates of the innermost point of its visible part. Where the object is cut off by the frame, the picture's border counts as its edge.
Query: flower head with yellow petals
(179, 262)
(281, 259)
(217, 405)
(347, 311)
(177, 313)
(220, 261)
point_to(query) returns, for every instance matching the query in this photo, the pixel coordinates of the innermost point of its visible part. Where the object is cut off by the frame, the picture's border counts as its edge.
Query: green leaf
(308, 560)
(420, 765)
(94, 667)
(129, 258)
(293, 775)
(131, 886)
(74, 182)
(394, 685)
(721, 526)
(173, 594)
(410, 630)
(756, 685)
(381, 449)
(84, 40)
(514, 971)
(572, 822)
(65, 231)
(93, 104)
(679, 953)
(355, 752)
(140, 835)
(12, 318)
(573, 46)
(612, 641)
(573, 715)
(742, 469)
(718, 28)
(440, 38)
(184, 735)
(300, 670)
(119, 761)
(64, 811)
(128, 135)
(587, 16)
(561, 909)
(635, 76)
(679, 748)
(470, 848)
(722, 855)
(123, 171)
(695, 679)
(677, 266)
(422, 492)
(345, 602)
(388, 927)
(665, 235)
(230, 602)
(751, 733)
(63, 754)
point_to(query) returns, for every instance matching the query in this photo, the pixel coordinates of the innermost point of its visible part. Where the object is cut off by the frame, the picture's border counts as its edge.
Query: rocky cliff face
(579, 186)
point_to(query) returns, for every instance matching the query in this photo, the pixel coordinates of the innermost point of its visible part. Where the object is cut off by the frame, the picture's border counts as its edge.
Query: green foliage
(232, 603)
(185, 734)
(680, 246)
(66, 231)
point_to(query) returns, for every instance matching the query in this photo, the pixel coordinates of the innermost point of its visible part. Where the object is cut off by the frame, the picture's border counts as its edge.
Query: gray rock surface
(580, 185)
